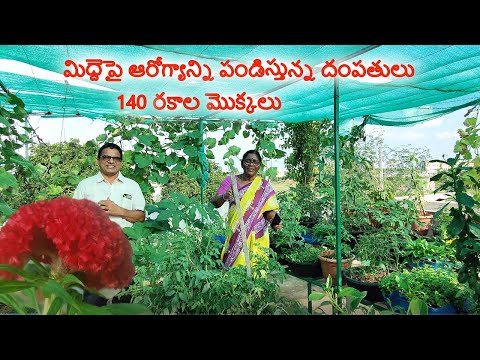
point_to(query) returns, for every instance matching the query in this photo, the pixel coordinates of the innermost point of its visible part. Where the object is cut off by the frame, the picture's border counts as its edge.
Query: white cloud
(446, 135)
(430, 123)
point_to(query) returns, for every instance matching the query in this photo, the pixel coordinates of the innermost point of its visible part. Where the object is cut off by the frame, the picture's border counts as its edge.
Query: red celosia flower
(77, 232)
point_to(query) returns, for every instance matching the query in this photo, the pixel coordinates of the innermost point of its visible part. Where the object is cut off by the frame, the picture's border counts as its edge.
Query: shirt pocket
(127, 201)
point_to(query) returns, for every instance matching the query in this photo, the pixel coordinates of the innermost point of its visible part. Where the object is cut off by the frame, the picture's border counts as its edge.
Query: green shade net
(446, 79)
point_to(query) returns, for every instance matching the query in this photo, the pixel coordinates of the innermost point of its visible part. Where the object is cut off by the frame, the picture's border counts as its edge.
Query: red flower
(78, 232)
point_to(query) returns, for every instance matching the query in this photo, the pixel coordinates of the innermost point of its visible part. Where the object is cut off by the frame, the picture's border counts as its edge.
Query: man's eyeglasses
(110, 158)
(254, 162)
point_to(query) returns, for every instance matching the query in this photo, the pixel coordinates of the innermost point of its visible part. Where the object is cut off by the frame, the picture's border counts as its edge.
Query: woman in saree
(258, 204)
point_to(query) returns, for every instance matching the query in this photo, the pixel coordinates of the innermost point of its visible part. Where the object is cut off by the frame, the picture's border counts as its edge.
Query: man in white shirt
(119, 196)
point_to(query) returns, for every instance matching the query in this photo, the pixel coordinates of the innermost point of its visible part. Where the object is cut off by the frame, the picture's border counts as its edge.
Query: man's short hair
(110, 146)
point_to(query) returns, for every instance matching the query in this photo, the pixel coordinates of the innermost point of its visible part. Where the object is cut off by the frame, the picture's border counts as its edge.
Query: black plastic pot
(313, 270)
(374, 293)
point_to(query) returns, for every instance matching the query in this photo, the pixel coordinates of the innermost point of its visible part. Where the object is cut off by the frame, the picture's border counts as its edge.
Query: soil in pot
(354, 278)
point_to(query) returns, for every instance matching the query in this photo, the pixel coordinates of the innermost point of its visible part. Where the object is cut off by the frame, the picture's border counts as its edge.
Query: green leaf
(20, 111)
(55, 306)
(452, 161)
(245, 134)
(146, 139)
(52, 287)
(316, 296)
(271, 146)
(143, 161)
(177, 167)
(209, 154)
(234, 150)
(438, 176)
(465, 199)
(171, 159)
(279, 154)
(9, 286)
(7, 180)
(417, 307)
(210, 142)
(178, 145)
(10, 301)
(470, 121)
(206, 288)
(69, 280)
(4, 121)
(474, 229)
(349, 291)
(101, 137)
(190, 150)
(56, 159)
(164, 179)
(17, 271)
(476, 162)
(15, 100)
(456, 225)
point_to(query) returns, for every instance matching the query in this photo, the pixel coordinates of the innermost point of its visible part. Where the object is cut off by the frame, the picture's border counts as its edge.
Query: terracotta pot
(422, 230)
(329, 264)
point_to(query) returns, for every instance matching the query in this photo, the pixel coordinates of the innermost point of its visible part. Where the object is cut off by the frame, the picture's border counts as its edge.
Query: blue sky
(438, 135)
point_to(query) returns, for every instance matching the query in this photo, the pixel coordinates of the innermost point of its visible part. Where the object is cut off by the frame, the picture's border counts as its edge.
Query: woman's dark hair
(255, 152)
(110, 146)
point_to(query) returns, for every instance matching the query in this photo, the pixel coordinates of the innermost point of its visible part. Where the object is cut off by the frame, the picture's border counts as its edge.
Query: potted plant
(328, 259)
(379, 253)
(416, 163)
(462, 176)
(302, 261)
(431, 251)
(438, 288)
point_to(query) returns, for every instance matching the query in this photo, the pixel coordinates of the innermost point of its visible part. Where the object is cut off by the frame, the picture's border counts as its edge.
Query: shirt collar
(99, 177)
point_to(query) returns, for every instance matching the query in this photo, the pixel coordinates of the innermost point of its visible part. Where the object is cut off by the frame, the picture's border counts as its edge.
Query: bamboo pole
(243, 232)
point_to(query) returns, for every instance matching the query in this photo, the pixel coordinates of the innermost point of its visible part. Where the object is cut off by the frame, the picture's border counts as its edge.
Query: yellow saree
(255, 198)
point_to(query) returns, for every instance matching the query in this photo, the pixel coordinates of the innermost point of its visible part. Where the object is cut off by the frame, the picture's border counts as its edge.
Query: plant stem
(46, 306)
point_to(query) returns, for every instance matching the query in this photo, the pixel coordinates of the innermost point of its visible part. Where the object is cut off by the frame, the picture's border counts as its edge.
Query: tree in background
(180, 183)
(304, 141)
(60, 168)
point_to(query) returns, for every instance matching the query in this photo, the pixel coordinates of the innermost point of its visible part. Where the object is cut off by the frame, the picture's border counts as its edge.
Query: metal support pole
(202, 149)
(338, 234)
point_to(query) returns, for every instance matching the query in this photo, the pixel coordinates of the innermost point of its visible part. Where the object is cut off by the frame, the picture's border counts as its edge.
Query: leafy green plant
(436, 287)
(380, 250)
(180, 183)
(347, 301)
(408, 165)
(44, 292)
(291, 228)
(463, 178)
(12, 165)
(180, 272)
(431, 250)
(331, 243)
(303, 254)
(60, 168)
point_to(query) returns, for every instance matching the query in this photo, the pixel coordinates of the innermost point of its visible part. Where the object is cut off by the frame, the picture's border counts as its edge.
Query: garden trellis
(404, 84)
